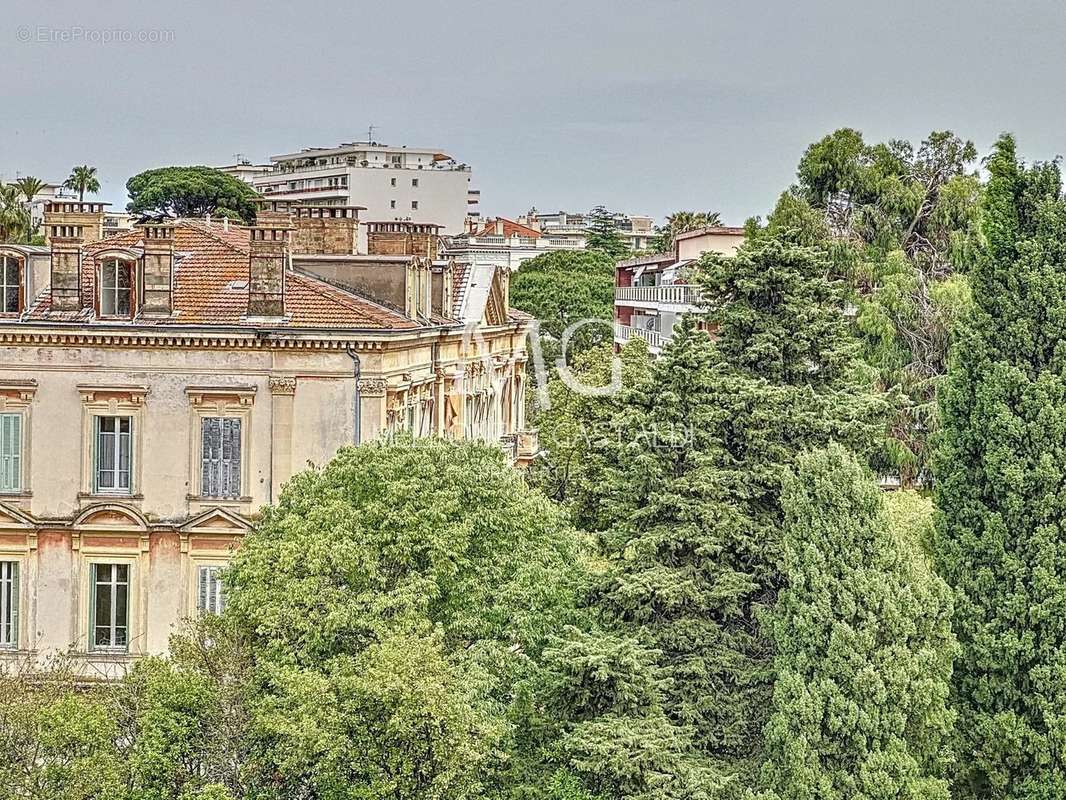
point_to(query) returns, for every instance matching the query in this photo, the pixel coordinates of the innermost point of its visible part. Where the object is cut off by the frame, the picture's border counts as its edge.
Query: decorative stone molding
(133, 395)
(18, 389)
(373, 387)
(201, 396)
(283, 385)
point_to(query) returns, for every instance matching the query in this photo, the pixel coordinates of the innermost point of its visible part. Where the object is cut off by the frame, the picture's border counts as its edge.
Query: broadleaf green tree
(900, 224)
(396, 600)
(191, 192)
(562, 289)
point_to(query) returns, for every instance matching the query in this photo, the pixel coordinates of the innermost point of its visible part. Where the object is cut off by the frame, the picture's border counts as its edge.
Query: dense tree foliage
(191, 192)
(579, 433)
(561, 289)
(602, 235)
(863, 645)
(688, 490)
(900, 224)
(1000, 475)
(15, 222)
(56, 741)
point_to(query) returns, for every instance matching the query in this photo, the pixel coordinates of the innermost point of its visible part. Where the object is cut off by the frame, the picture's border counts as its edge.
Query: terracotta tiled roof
(510, 228)
(211, 286)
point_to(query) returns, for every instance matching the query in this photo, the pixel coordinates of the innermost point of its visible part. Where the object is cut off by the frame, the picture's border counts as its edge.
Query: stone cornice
(209, 341)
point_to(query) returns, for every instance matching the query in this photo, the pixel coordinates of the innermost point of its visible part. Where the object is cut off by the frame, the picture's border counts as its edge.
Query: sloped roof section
(211, 287)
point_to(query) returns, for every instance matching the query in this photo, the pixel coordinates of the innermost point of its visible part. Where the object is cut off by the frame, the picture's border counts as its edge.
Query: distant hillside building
(653, 291)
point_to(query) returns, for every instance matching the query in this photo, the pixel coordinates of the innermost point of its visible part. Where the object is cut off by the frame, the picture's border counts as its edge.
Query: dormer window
(10, 284)
(116, 288)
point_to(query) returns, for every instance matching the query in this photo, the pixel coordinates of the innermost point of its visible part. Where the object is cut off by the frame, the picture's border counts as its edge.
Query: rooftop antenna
(370, 134)
(238, 158)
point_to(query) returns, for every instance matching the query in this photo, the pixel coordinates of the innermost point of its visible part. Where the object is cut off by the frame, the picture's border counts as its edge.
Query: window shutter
(203, 589)
(10, 452)
(14, 604)
(211, 455)
(231, 457)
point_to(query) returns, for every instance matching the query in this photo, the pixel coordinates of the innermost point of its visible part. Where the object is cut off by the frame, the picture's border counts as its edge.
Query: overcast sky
(644, 107)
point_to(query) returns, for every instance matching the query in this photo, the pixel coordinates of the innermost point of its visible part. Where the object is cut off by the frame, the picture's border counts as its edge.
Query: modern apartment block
(159, 387)
(653, 291)
(636, 229)
(416, 184)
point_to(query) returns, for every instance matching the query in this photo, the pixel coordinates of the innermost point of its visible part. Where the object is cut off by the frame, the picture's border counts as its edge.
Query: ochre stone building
(157, 389)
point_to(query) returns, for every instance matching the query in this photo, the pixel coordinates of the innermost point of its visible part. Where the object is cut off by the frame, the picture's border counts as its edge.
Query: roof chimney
(71, 219)
(65, 275)
(158, 274)
(267, 263)
(326, 230)
(403, 238)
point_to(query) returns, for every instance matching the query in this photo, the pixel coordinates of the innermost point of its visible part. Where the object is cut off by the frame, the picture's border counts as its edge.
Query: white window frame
(112, 401)
(7, 259)
(117, 438)
(114, 291)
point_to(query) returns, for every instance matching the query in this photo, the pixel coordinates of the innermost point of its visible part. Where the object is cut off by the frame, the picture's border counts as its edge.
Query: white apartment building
(246, 171)
(416, 184)
(636, 229)
(652, 292)
(501, 242)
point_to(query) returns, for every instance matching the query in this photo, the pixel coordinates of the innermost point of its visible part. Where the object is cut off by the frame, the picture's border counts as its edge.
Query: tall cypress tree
(863, 642)
(695, 550)
(1001, 475)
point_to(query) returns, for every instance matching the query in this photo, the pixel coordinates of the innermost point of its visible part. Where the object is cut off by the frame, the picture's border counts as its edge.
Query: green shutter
(15, 603)
(10, 452)
(92, 606)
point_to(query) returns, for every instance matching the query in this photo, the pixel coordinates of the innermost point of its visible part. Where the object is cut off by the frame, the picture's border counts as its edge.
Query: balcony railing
(668, 294)
(624, 333)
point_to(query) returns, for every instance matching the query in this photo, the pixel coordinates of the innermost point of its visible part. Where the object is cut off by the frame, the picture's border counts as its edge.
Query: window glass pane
(121, 614)
(9, 284)
(102, 598)
(9, 604)
(113, 453)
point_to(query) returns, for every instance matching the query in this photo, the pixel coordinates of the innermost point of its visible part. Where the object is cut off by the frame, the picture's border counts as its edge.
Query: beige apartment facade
(157, 389)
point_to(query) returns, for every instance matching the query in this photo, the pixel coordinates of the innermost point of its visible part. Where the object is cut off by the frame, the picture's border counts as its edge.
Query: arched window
(10, 284)
(116, 288)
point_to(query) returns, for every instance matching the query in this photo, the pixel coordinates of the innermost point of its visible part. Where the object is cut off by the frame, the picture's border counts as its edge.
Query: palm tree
(83, 179)
(14, 218)
(30, 187)
(679, 222)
